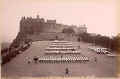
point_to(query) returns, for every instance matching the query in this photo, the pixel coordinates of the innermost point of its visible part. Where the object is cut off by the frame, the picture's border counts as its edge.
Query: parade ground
(105, 66)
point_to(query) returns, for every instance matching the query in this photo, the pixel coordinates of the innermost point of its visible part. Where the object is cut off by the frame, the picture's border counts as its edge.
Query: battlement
(36, 20)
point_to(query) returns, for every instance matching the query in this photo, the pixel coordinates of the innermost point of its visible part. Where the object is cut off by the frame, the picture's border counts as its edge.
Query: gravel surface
(18, 67)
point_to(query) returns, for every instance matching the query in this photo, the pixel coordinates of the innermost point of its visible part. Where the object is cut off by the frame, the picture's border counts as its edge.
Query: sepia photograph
(65, 39)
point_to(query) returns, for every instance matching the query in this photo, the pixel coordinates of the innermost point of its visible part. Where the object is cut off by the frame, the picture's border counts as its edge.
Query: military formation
(60, 52)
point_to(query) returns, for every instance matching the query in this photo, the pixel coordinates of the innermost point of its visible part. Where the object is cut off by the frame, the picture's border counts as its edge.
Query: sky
(99, 16)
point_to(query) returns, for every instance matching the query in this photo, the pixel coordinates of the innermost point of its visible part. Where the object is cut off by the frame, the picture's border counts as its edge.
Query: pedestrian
(95, 59)
(66, 71)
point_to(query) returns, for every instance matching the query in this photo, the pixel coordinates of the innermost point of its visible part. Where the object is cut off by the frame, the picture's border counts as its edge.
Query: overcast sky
(100, 17)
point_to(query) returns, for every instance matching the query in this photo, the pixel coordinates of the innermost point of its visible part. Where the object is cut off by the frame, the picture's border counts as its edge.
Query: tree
(68, 30)
(115, 44)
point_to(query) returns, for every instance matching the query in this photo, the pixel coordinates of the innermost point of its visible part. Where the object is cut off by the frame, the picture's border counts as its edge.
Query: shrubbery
(105, 41)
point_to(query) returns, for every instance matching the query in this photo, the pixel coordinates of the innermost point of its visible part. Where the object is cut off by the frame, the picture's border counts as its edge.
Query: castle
(39, 29)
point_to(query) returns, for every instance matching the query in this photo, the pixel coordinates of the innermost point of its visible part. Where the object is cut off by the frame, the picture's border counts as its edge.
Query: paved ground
(18, 67)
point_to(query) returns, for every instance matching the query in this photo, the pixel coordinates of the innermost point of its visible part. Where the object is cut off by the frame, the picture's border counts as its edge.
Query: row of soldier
(68, 59)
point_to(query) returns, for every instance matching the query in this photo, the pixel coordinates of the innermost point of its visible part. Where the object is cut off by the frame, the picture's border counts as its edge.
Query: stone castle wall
(39, 29)
(32, 26)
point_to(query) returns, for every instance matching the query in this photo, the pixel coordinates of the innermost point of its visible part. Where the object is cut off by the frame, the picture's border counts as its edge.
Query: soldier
(35, 59)
(61, 56)
(28, 60)
(79, 47)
